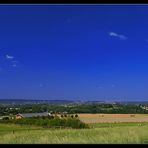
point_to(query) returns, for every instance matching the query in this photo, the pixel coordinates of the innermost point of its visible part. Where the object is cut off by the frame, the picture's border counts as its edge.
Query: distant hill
(23, 101)
(60, 102)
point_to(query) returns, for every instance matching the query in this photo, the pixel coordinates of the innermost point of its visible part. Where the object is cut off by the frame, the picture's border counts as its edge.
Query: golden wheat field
(112, 118)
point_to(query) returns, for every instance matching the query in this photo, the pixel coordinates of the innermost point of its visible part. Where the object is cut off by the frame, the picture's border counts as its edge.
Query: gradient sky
(90, 52)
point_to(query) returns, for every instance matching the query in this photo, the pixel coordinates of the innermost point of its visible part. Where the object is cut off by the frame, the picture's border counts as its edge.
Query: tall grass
(105, 135)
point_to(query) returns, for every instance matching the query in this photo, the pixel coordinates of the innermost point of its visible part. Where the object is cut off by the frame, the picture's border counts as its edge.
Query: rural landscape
(73, 74)
(70, 123)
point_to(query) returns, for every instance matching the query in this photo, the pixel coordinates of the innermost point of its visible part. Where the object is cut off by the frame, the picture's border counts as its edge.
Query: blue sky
(90, 52)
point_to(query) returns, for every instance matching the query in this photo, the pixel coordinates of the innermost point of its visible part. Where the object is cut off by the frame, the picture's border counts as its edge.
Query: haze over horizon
(86, 52)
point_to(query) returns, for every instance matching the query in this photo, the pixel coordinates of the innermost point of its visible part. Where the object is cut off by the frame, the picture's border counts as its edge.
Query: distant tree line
(74, 109)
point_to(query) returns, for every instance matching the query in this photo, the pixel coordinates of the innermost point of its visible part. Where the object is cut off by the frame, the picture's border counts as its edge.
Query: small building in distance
(30, 115)
(5, 117)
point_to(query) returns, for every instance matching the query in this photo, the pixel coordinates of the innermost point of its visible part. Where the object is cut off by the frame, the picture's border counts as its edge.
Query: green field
(119, 133)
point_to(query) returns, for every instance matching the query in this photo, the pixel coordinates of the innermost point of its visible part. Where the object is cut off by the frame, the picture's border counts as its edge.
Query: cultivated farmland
(113, 118)
(104, 129)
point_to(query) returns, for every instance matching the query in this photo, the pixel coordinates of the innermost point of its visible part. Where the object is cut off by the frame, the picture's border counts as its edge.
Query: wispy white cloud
(120, 36)
(112, 85)
(14, 65)
(9, 57)
(41, 85)
(113, 34)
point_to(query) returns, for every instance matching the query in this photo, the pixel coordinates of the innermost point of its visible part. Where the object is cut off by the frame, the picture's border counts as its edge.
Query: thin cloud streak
(120, 36)
(14, 65)
(9, 57)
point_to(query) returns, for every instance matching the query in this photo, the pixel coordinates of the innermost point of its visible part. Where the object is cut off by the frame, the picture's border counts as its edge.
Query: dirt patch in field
(112, 118)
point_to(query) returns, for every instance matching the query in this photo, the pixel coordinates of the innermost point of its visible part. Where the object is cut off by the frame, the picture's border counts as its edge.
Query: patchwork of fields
(113, 118)
(104, 129)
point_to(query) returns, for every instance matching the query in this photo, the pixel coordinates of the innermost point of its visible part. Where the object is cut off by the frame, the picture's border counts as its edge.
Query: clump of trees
(49, 123)
(69, 116)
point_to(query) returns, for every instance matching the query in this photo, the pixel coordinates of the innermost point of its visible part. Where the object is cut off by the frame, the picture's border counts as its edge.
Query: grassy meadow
(103, 133)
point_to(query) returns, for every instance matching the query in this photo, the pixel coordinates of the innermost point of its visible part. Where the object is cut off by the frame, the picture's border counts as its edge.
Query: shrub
(65, 115)
(56, 122)
(73, 123)
(5, 118)
(51, 117)
(76, 116)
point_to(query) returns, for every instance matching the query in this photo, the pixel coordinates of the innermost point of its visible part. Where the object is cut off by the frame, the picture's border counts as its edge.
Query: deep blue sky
(96, 52)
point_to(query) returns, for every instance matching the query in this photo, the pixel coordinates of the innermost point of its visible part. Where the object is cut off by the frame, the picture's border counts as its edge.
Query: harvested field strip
(113, 118)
